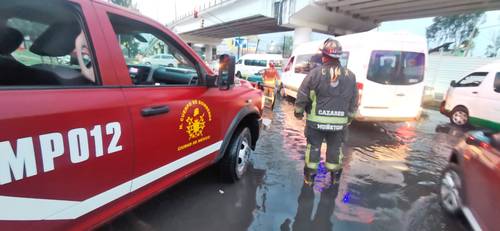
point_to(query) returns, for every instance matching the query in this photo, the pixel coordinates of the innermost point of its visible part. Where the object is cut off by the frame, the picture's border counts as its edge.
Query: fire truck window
(44, 44)
(151, 56)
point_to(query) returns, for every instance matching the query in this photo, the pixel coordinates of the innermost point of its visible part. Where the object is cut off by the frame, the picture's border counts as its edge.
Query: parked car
(81, 145)
(475, 99)
(250, 64)
(389, 69)
(167, 60)
(470, 184)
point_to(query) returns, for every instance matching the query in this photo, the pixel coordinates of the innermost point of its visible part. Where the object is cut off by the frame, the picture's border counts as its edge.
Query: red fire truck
(88, 130)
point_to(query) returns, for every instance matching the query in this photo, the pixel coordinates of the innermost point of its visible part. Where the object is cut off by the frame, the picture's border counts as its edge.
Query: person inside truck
(48, 41)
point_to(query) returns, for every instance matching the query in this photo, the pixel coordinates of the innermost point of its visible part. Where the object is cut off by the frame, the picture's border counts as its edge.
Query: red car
(84, 141)
(471, 183)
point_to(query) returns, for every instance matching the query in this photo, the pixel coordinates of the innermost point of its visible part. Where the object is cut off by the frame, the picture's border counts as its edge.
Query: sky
(165, 11)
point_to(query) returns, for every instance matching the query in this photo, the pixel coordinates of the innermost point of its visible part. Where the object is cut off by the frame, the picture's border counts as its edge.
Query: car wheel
(148, 63)
(450, 195)
(459, 116)
(170, 65)
(238, 74)
(237, 157)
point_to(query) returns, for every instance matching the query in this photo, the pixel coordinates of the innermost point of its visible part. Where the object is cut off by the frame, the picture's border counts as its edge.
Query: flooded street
(389, 182)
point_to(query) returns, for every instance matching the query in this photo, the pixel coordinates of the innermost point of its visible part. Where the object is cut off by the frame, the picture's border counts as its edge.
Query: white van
(250, 64)
(389, 69)
(475, 99)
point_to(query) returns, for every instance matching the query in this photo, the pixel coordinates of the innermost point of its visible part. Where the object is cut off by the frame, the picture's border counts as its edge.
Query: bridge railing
(202, 6)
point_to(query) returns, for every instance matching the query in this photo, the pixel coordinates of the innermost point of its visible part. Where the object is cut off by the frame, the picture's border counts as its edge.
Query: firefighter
(269, 79)
(329, 96)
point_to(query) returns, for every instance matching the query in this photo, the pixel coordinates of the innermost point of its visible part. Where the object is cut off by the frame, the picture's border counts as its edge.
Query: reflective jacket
(328, 108)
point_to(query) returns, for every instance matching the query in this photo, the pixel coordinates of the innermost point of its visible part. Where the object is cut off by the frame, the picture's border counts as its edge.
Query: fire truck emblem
(195, 124)
(195, 118)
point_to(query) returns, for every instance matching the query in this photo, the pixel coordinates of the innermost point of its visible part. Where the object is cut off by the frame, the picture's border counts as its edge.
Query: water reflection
(389, 182)
(315, 208)
(390, 175)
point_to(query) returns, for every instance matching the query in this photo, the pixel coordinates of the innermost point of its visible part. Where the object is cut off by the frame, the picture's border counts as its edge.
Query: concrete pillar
(208, 53)
(301, 35)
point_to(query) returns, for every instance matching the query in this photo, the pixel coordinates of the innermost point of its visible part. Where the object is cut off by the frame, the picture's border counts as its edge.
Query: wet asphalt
(389, 182)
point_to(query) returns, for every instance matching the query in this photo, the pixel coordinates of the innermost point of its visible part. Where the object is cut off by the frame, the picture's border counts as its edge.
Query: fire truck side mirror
(226, 72)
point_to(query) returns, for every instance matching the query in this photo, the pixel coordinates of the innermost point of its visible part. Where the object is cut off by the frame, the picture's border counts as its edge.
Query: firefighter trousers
(334, 155)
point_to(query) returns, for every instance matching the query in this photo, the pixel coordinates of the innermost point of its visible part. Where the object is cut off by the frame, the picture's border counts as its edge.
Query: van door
(467, 92)
(66, 138)
(302, 65)
(177, 123)
(487, 112)
(395, 84)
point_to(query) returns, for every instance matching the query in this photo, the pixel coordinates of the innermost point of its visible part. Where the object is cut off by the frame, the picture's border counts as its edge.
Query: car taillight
(484, 145)
(360, 92)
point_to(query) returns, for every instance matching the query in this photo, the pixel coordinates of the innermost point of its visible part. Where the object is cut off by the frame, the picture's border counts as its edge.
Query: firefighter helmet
(332, 48)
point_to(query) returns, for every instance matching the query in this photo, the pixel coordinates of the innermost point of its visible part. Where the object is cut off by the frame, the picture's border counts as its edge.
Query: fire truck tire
(236, 159)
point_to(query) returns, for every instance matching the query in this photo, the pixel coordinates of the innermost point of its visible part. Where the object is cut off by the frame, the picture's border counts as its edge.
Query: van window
(46, 48)
(305, 63)
(396, 67)
(473, 80)
(240, 61)
(277, 63)
(496, 83)
(255, 62)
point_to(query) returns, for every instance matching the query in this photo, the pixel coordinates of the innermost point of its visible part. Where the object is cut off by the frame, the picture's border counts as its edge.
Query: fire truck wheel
(235, 161)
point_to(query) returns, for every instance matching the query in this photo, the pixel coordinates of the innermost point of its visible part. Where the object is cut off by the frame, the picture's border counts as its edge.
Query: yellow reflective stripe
(341, 156)
(333, 167)
(308, 163)
(323, 119)
(312, 166)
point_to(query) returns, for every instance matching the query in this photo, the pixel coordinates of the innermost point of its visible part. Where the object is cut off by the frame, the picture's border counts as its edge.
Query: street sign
(240, 42)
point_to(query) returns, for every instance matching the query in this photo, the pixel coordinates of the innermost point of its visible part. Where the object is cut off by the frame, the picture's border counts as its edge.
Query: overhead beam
(414, 6)
(438, 12)
(248, 26)
(373, 4)
(424, 9)
(339, 3)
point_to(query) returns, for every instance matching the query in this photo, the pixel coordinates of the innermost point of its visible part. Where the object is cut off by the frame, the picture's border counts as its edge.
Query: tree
(128, 41)
(460, 29)
(494, 47)
(287, 45)
(124, 3)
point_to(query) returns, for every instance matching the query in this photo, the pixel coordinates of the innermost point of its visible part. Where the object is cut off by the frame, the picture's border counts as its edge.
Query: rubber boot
(335, 175)
(309, 175)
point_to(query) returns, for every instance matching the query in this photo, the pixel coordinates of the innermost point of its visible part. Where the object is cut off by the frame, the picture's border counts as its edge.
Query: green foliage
(493, 48)
(128, 41)
(287, 46)
(27, 28)
(460, 29)
(130, 44)
(124, 3)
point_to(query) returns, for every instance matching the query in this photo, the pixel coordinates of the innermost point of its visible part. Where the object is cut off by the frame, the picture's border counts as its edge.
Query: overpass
(218, 19)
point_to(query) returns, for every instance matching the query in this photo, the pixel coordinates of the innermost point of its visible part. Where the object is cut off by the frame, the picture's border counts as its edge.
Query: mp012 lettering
(21, 163)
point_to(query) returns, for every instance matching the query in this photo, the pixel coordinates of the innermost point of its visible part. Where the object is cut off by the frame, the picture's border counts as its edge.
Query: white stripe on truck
(32, 209)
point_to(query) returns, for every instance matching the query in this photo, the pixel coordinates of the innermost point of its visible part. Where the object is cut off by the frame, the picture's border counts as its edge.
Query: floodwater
(389, 182)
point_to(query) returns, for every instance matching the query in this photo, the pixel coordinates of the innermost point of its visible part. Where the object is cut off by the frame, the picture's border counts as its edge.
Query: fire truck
(89, 130)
